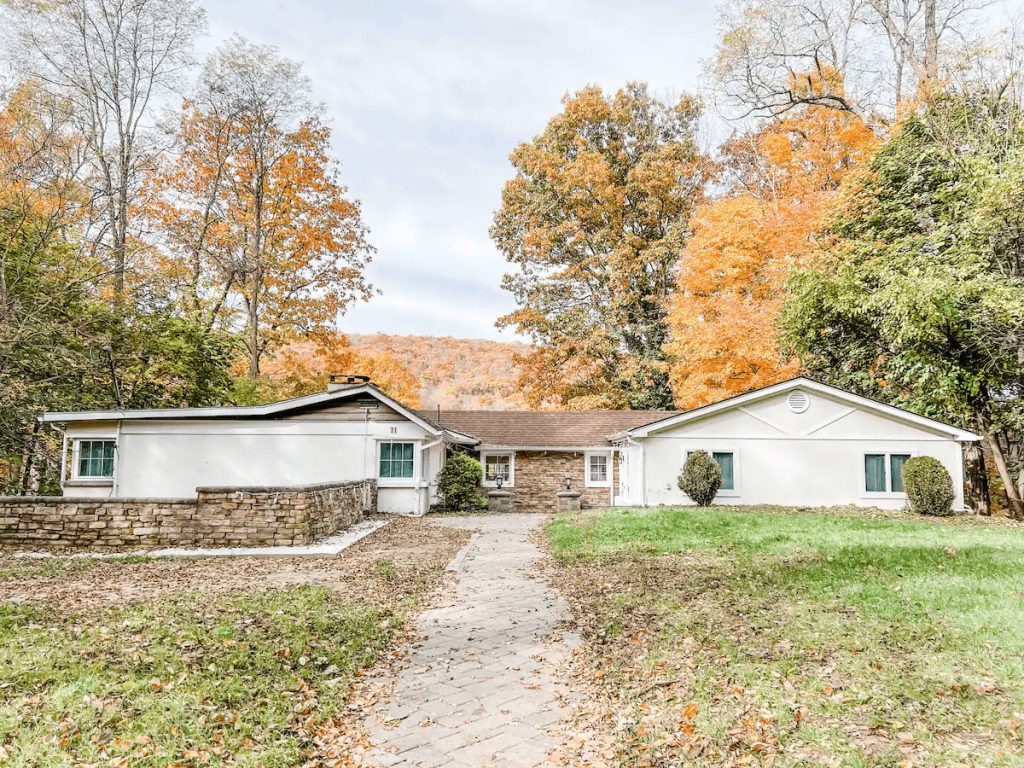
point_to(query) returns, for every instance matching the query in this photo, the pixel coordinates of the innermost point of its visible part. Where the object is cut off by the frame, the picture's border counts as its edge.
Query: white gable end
(735, 423)
(818, 418)
(862, 424)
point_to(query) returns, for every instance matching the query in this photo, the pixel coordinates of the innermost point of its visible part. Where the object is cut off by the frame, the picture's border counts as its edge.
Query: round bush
(928, 486)
(701, 478)
(458, 480)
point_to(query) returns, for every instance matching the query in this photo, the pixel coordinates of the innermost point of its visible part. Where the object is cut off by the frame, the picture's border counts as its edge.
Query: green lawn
(855, 640)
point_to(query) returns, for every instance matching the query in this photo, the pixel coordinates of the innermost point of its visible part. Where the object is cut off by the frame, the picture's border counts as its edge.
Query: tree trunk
(976, 480)
(254, 329)
(1013, 497)
(123, 194)
(931, 48)
(257, 275)
(29, 472)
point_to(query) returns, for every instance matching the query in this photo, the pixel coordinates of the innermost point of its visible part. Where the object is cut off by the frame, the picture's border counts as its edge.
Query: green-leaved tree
(918, 299)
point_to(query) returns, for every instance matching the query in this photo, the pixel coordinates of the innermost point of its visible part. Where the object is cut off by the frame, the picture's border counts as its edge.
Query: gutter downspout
(63, 460)
(366, 444)
(117, 461)
(613, 470)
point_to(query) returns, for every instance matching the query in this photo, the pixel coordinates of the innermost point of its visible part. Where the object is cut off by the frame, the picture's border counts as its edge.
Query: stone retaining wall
(218, 517)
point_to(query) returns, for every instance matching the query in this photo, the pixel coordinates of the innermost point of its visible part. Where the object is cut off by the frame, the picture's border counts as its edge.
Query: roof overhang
(563, 448)
(458, 438)
(800, 382)
(245, 412)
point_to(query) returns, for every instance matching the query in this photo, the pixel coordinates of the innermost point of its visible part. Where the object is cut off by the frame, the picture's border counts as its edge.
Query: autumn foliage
(304, 368)
(732, 273)
(434, 371)
(306, 265)
(593, 221)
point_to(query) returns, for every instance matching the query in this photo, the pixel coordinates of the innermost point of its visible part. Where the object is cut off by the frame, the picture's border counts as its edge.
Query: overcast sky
(427, 98)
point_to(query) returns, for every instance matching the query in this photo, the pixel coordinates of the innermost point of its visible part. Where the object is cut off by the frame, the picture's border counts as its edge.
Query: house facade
(800, 443)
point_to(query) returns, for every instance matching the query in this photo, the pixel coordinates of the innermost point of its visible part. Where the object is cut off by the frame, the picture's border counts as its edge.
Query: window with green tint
(874, 473)
(896, 462)
(396, 460)
(95, 458)
(725, 463)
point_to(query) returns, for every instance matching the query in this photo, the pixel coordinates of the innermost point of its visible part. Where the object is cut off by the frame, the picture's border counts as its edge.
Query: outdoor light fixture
(568, 483)
(498, 480)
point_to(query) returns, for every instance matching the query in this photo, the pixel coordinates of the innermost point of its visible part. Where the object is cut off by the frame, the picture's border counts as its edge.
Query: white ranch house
(799, 443)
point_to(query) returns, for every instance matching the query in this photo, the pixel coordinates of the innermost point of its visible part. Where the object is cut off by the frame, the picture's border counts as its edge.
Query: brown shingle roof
(555, 429)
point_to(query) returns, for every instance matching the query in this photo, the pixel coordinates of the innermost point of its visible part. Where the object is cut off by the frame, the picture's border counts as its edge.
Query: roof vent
(343, 380)
(798, 401)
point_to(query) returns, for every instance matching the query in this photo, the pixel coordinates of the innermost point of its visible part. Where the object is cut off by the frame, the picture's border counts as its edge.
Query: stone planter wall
(218, 517)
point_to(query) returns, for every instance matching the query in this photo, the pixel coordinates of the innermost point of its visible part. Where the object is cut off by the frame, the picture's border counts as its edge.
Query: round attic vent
(798, 401)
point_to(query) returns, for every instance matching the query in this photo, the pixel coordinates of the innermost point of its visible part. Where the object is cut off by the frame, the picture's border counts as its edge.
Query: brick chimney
(344, 380)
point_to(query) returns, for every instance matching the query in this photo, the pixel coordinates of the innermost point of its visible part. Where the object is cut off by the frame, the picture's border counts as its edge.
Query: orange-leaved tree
(261, 234)
(732, 272)
(594, 219)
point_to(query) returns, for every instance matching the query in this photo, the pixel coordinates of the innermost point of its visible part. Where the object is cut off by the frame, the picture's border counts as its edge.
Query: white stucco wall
(814, 458)
(170, 459)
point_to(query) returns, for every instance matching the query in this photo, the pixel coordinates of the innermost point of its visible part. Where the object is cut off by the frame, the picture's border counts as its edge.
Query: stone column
(568, 501)
(499, 501)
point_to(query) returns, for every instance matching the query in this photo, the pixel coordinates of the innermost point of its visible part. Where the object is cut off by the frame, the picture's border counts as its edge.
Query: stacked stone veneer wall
(218, 517)
(541, 474)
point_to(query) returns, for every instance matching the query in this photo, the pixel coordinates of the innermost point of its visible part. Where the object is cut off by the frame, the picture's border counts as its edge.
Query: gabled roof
(269, 411)
(543, 429)
(800, 382)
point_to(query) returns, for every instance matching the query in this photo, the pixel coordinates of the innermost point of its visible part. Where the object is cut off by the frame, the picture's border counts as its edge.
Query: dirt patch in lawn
(383, 566)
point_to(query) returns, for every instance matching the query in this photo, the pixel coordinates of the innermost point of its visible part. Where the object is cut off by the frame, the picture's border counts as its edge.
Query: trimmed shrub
(701, 478)
(928, 486)
(458, 480)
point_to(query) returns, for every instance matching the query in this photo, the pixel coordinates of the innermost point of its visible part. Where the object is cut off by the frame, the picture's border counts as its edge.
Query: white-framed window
(93, 459)
(883, 472)
(728, 460)
(396, 462)
(598, 469)
(498, 464)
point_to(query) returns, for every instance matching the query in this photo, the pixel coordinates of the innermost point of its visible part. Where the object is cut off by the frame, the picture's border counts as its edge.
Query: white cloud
(428, 99)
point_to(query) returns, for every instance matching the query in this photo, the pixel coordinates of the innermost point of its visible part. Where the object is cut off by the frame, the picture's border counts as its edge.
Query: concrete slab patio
(479, 688)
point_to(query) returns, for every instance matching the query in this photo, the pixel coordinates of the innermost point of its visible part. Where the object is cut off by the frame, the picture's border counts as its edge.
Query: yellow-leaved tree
(732, 272)
(593, 220)
(260, 235)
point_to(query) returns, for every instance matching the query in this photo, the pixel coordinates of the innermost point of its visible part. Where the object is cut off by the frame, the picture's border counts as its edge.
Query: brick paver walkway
(478, 690)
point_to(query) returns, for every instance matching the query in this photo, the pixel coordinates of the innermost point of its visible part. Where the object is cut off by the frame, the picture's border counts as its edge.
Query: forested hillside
(449, 372)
